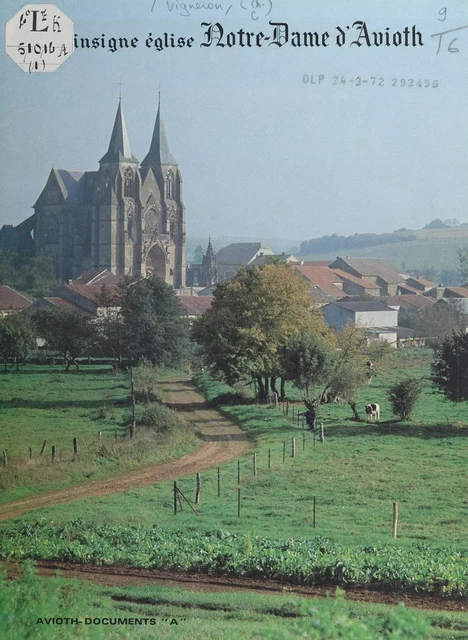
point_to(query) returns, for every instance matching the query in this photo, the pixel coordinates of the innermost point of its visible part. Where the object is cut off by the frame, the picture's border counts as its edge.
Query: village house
(11, 300)
(231, 258)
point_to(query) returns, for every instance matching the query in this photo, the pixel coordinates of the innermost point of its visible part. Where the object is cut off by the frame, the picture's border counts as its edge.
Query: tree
(69, 333)
(198, 254)
(252, 317)
(449, 370)
(403, 396)
(463, 263)
(17, 337)
(335, 368)
(437, 322)
(154, 327)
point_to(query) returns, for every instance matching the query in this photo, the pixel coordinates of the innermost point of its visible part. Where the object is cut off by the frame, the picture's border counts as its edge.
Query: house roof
(11, 300)
(195, 305)
(316, 263)
(372, 267)
(362, 282)
(283, 257)
(410, 290)
(240, 252)
(94, 292)
(63, 303)
(461, 292)
(409, 302)
(323, 278)
(95, 276)
(423, 282)
(363, 305)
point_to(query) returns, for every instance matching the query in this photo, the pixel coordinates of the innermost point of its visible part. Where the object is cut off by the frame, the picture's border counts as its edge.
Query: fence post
(175, 498)
(269, 458)
(43, 447)
(238, 472)
(322, 433)
(303, 441)
(100, 435)
(197, 493)
(314, 514)
(293, 448)
(53, 453)
(5, 458)
(284, 451)
(116, 435)
(255, 464)
(395, 520)
(75, 446)
(219, 484)
(30, 452)
(287, 407)
(293, 413)
(238, 502)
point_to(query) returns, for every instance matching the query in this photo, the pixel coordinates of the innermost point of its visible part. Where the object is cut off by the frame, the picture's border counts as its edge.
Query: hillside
(432, 249)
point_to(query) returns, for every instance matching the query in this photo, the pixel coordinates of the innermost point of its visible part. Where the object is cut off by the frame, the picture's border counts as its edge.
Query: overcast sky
(262, 153)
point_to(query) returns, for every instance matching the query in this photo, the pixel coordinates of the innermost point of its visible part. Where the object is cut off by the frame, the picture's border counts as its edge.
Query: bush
(145, 378)
(329, 619)
(403, 396)
(160, 418)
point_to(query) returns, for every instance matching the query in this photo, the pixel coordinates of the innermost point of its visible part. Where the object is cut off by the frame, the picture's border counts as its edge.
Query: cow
(373, 411)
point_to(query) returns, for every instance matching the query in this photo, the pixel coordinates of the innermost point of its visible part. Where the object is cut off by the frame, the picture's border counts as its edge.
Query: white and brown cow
(373, 411)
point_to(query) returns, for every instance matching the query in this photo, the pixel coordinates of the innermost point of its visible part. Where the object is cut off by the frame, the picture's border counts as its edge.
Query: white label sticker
(39, 38)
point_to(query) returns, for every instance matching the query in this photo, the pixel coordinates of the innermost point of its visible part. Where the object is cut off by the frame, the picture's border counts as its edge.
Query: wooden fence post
(314, 514)
(238, 502)
(30, 452)
(238, 472)
(5, 458)
(219, 484)
(303, 441)
(293, 448)
(197, 493)
(287, 407)
(75, 446)
(395, 520)
(255, 464)
(175, 498)
(284, 451)
(293, 413)
(116, 435)
(43, 447)
(269, 458)
(322, 433)
(100, 435)
(53, 453)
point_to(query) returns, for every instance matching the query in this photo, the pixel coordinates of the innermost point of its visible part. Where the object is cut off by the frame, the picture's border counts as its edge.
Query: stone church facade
(127, 216)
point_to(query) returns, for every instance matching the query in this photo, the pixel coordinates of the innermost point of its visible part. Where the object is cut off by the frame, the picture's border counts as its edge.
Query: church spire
(159, 153)
(119, 146)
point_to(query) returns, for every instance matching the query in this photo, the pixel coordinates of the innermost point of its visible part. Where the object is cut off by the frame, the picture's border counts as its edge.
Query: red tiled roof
(96, 276)
(94, 292)
(195, 305)
(11, 300)
(406, 287)
(63, 303)
(409, 302)
(365, 284)
(424, 282)
(374, 267)
(462, 292)
(323, 278)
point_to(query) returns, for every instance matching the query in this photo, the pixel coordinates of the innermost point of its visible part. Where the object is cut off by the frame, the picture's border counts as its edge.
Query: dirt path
(115, 576)
(224, 441)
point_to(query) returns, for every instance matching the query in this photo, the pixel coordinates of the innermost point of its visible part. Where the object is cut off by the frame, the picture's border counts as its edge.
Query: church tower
(163, 212)
(209, 266)
(115, 221)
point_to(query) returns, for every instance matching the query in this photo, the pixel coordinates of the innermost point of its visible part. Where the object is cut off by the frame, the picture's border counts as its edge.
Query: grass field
(356, 475)
(40, 404)
(433, 248)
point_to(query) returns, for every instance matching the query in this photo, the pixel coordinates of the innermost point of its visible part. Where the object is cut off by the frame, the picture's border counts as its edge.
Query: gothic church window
(128, 183)
(52, 230)
(170, 185)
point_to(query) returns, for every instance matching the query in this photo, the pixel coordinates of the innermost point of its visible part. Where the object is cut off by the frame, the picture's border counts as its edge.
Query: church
(127, 217)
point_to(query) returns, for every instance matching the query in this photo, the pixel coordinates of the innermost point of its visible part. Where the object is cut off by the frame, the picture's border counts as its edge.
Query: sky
(263, 150)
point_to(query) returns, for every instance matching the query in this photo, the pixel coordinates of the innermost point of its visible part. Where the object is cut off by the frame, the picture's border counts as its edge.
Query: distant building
(369, 314)
(231, 258)
(204, 274)
(375, 270)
